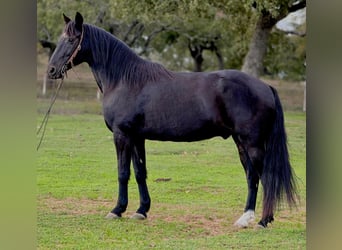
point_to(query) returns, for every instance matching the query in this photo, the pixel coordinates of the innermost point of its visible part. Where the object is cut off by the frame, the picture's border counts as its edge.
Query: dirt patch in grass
(200, 222)
(294, 215)
(72, 206)
(203, 221)
(208, 226)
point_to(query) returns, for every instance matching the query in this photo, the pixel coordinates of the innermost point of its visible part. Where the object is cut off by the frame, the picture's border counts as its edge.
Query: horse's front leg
(124, 151)
(139, 163)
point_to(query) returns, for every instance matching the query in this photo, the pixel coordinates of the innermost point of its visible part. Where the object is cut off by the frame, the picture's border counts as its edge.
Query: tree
(48, 44)
(285, 56)
(132, 31)
(215, 34)
(49, 15)
(269, 13)
(196, 51)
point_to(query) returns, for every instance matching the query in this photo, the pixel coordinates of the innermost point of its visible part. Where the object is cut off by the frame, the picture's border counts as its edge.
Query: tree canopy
(195, 35)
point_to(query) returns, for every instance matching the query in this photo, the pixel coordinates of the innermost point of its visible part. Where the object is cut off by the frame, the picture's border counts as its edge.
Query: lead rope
(54, 97)
(46, 117)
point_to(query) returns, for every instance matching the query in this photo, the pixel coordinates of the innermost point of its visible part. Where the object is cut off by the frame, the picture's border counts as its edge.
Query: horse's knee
(140, 177)
(124, 178)
(140, 173)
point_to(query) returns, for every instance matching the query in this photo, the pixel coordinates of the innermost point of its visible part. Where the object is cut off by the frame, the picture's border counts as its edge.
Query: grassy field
(76, 187)
(195, 209)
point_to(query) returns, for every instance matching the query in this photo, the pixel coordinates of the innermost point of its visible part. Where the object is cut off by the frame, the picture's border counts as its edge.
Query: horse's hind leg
(139, 164)
(252, 161)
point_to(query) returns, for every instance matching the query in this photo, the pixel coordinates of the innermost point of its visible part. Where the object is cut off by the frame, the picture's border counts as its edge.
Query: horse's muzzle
(52, 70)
(53, 73)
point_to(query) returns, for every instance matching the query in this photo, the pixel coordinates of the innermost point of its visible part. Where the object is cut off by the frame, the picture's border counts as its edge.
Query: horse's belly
(185, 133)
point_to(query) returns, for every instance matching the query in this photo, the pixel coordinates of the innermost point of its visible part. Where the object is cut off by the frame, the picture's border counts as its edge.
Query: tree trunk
(196, 54)
(198, 63)
(253, 62)
(219, 59)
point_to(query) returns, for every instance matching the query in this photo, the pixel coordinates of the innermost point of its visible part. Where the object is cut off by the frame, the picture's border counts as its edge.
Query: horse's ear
(78, 21)
(66, 19)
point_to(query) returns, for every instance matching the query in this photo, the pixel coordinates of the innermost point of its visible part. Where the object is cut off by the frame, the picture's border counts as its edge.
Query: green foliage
(229, 23)
(275, 7)
(50, 18)
(286, 56)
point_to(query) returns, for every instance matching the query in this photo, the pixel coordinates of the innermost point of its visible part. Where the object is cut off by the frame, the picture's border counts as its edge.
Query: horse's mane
(122, 63)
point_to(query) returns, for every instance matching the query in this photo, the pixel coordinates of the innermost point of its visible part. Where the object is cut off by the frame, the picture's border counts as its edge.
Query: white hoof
(245, 219)
(112, 216)
(138, 216)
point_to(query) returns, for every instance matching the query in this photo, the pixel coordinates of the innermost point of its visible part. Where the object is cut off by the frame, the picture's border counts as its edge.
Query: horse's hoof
(240, 225)
(138, 216)
(260, 226)
(247, 218)
(112, 216)
(264, 222)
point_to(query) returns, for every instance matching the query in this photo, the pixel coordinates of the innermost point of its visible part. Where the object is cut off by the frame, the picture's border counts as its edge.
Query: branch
(45, 30)
(297, 6)
(100, 17)
(293, 32)
(150, 37)
(130, 28)
(195, 50)
(47, 44)
(50, 45)
(138, 33)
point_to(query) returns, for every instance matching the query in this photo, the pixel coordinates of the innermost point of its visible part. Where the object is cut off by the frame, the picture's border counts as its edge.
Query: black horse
(143, 100)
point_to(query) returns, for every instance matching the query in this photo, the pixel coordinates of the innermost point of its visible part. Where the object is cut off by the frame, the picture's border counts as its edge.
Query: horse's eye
(71, 39)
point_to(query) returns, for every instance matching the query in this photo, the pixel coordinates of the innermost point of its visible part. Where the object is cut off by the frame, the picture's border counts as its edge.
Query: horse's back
(234, 79)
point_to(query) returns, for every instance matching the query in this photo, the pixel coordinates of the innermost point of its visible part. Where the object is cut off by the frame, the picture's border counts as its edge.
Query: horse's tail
(277, 176)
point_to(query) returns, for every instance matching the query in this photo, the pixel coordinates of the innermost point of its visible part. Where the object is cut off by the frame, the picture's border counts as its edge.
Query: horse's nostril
(52, 70)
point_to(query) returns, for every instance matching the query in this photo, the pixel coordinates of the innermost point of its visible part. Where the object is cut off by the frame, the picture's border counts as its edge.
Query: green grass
(196, 209)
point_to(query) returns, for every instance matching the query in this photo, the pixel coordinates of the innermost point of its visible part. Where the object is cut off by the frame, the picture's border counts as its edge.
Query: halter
(78, 48)
(46, 117)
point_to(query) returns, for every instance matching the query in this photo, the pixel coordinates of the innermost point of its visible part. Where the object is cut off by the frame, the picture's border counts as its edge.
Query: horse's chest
(118, 111)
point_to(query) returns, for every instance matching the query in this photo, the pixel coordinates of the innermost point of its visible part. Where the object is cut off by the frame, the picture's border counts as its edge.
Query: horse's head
(68, 50)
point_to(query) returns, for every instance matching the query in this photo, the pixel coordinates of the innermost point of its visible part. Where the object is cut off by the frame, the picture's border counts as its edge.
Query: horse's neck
(108, 62)
(98, 80)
